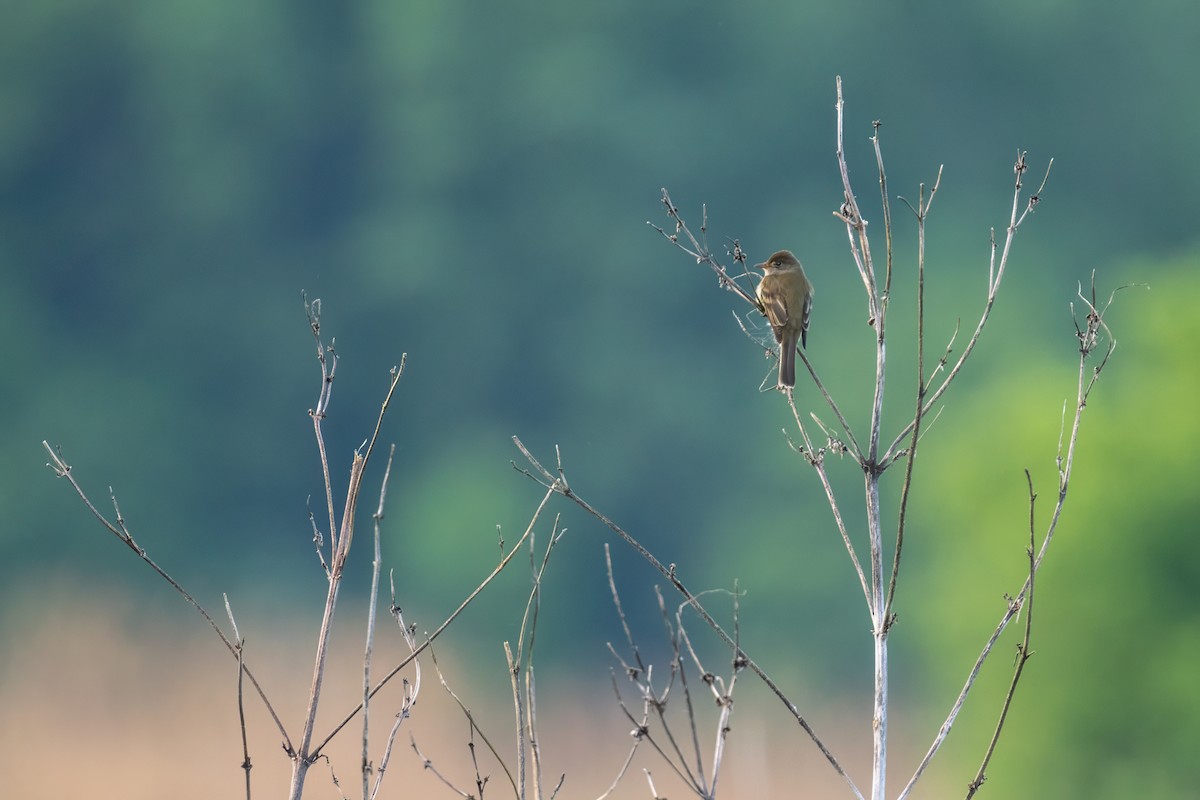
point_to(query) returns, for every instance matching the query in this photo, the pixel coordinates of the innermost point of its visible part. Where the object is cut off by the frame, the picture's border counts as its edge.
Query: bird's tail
(787, 362)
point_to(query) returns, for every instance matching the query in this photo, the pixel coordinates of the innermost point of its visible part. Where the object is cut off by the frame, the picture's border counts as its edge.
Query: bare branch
(241, 702)
(1065, 467)
(372, 604)
(818, 464)
(995, 276)
(480, 780)
(410, 693)
(921, 213)
(339, 545)
(559, 485)
(698, 249)
(856, 226)
(860, 248)
(1023, 651)
(429, 639)
(119, 529)
(427, 763)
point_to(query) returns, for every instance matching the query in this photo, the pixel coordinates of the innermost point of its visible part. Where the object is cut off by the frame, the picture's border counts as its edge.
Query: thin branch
(698, 249)
(119, 529)
(340, 551)
(372, 604)
(612, 787)
(922, 213)
(995, 276)
(816, 460)
(724, 697)
(1094, 331)
(474, 728)
(887, 217)
(445, 624)
(327, 357)
(427, 763)
(856, 226)
(387, 750)
(241, 704)
(1013, 607)
(677, 637)
(855, 449)
(651, 703)
(557, 484)
(514, 672)
(655, 702)
(1023, 651)
(410, 693)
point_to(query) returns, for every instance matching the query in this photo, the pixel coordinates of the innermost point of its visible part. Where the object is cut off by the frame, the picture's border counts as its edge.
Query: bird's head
(782, 259)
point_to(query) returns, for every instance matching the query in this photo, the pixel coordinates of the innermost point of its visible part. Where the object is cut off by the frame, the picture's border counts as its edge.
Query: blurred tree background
(469, 183)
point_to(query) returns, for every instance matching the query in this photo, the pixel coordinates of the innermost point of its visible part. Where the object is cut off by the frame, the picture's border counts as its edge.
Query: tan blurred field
(103, 698)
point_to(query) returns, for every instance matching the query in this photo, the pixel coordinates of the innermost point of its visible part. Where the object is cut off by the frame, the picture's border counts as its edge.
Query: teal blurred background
(470, 184)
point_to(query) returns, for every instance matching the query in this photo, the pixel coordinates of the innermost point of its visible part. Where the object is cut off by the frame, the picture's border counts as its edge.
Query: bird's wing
(806, 313)
(776, 312)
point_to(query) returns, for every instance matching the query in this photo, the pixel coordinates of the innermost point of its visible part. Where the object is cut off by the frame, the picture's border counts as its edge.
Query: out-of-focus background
(470, 184)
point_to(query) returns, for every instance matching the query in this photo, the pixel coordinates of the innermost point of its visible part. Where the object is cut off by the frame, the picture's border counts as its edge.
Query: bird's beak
(761, 266)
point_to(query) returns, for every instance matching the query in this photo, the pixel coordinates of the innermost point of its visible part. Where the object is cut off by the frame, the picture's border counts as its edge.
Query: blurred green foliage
(469, 183)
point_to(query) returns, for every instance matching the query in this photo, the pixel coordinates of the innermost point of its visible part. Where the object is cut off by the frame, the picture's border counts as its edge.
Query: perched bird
(786, 297)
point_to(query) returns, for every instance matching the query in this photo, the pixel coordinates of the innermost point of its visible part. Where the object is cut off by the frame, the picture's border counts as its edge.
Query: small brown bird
(786, 297)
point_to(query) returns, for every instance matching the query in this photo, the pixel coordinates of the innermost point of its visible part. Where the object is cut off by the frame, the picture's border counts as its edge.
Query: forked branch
(120, 529)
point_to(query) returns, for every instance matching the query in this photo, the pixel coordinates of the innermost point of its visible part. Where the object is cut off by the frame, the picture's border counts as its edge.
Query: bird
(786, 295)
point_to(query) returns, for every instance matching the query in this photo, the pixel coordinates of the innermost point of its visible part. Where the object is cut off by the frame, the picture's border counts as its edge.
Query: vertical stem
(860, 249)
(303, 757)
(879, 631)
(301, 761)
(875, 530)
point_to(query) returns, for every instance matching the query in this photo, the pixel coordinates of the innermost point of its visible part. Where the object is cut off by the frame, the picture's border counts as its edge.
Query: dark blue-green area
(469, 184)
